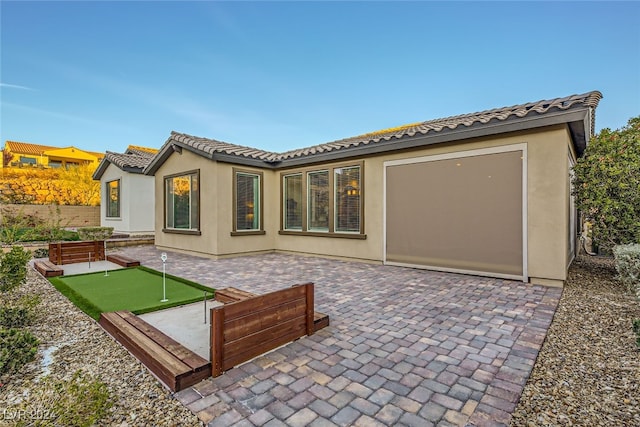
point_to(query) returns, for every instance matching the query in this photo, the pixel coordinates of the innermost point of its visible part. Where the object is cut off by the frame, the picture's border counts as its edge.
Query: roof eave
(576, 119)
(101, 169)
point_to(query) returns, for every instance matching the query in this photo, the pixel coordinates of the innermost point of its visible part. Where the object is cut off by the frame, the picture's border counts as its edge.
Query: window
(113, 199)
(347, 196)
(27, 160)
(323, 202)
(247, 202)
(318, 201)
(293, 202)
(182, 202)
(55, 163)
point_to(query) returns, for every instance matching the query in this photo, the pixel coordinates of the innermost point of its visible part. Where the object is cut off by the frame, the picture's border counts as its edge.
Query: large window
(247, 217)
(323, 202)
(292, 202)
(182, 202)
(113, 199)
(347, 196)
(318, 201)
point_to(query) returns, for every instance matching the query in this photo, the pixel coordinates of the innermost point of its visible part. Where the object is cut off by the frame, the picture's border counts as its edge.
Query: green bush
(95, 233)
(606, 183)
(13, 268)
(20, 314)
(636, 329)
(81, 401)
(41, 253)
(627, 261)
(14, 222)
(17, 348)
(15, 317)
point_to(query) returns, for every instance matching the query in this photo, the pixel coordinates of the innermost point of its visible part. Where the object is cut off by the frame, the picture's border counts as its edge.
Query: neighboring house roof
(26, 148)
(141, 151)
(134, 163)
(37, 149)
(577, 111)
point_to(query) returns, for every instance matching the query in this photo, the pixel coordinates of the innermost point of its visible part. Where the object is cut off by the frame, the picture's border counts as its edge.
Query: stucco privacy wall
(547, 209)
(70, 216)
(136, 202)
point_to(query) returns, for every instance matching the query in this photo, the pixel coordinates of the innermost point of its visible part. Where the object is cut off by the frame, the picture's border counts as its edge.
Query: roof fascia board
(101, 169)
(244, 161)
(132, 169)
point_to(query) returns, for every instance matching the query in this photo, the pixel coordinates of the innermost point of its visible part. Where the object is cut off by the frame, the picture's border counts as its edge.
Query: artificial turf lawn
(137, 289)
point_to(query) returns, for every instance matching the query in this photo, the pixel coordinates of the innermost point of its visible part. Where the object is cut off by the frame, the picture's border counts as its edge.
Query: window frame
(331, 232)
(191, 231)
(108, 199)
(259, 231)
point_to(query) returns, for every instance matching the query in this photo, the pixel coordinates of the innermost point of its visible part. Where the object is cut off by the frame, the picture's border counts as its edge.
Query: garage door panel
(463, 213)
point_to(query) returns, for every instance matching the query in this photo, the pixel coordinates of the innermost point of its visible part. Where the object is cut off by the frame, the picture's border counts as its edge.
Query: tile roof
(139, 150)
(37, 149)
(481, 123)
(134, 161)
(212, 146)
(27, 148)
(589, 99)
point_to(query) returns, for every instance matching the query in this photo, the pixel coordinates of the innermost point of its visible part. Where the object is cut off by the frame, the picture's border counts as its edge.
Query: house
(486, 193)
(24, 154)
(127, 195)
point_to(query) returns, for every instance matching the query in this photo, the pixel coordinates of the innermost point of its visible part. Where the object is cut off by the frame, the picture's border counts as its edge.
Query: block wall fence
(70, 216)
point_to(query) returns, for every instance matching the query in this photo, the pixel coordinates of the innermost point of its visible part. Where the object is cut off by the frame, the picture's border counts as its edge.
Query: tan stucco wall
(547, 212)
(206, 243)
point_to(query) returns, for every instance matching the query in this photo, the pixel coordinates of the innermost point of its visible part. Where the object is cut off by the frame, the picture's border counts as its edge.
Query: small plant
(41, 253)
(13, 268)
(95, 233)
(636, 330)
(17, 348)
(20, 314)
(628, 265)
(15, 317)
(14, 223)
(79, 401)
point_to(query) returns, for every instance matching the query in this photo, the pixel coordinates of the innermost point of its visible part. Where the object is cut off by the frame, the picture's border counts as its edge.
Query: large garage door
(462, 213)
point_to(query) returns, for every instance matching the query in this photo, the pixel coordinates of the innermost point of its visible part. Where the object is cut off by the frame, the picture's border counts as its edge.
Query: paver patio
(405, 347)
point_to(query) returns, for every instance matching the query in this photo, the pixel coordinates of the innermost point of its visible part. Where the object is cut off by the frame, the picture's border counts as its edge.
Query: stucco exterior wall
(547, 206)
(136, 202)
(205, 244)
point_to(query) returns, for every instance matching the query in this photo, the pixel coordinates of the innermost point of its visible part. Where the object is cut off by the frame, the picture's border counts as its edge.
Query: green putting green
(137, 289)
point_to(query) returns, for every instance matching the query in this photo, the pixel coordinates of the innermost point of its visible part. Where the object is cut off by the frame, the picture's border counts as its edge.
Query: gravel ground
(588, 371)
(76, 342)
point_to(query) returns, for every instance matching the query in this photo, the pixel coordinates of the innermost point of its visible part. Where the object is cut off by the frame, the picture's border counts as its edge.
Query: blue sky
(284, 75)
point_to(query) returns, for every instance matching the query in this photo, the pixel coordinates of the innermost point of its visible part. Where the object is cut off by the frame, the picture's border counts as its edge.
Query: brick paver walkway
(405, 347)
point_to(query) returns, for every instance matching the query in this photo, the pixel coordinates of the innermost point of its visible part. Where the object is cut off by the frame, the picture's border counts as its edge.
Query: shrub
(95, 233)
(21, 314)
(606, 185)
(636, 329)
(41, 253)
(15, 317)
(79, 401)
(627, 258)
(13, 268)
(17, 348)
